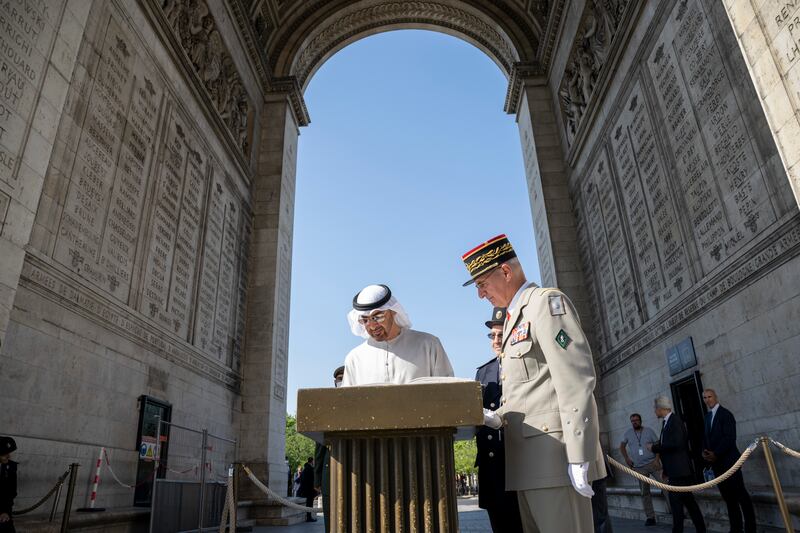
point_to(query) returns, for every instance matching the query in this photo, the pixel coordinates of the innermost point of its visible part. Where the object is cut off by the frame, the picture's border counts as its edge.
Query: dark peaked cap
(498, 317)
(7, 445)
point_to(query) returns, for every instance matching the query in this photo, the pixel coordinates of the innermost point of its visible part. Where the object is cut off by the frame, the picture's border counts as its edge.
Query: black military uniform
(8, 483)
(322, 465)
(500, 504)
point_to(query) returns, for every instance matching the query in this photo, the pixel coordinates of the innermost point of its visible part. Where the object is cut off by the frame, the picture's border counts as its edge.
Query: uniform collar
(489, 362)
(513, 305)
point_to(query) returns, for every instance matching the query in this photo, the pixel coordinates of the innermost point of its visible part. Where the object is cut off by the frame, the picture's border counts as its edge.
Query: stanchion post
(776, 485)
(93, 484)
(202, 480)
(236, 467)
(155, 473)
(73, 473)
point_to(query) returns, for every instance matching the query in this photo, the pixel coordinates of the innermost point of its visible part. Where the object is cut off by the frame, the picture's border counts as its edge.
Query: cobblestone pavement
(472, 519)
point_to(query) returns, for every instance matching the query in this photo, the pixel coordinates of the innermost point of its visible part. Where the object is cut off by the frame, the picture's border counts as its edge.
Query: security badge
(520, 333)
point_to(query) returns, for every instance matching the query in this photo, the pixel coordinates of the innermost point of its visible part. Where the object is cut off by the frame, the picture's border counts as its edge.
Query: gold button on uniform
(489, 437)
(491, 454)
(491, 404)
(545, 428)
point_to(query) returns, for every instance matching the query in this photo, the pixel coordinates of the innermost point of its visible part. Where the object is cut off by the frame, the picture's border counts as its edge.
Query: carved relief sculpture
(589, 53)
(196, 30)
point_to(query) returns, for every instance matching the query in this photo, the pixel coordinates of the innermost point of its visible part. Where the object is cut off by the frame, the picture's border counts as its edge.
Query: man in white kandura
(392, 351)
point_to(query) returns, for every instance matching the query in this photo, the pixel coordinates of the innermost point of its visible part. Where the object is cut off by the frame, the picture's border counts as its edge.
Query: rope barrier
(229, 509)
(46, 496)
(108, 464)
(785, 449)
(688, 488)
(269, 492)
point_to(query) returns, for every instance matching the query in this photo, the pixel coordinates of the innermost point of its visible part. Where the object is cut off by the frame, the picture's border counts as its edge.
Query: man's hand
(709, 456)
(649, 446)
(491, 419)
(579, 475)
(4, 518)
(629, 461)
(318, 489)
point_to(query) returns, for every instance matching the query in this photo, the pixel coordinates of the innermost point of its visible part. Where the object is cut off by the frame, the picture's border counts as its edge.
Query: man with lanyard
(635, 448)
(501, 505)
(392, 351)
(548, 409)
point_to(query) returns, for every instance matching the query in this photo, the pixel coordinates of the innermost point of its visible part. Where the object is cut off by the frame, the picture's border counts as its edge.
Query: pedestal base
(393, 482)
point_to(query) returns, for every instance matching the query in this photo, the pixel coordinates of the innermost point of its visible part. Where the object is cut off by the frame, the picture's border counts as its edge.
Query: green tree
(298, 447)
(465, 452)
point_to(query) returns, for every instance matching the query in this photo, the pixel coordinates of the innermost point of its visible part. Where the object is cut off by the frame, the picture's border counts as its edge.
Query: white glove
(491, 419)
(579, 475)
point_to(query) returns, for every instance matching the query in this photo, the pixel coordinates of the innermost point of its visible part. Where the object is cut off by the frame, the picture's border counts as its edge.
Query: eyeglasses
(378, 318)
(493, 335)
(482, 283)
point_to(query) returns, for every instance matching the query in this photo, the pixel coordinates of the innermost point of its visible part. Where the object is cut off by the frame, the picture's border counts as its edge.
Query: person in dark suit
(501, 504)
(307, 487)
(674, 454)
(719, 449)
(322, 460)
(8, 484)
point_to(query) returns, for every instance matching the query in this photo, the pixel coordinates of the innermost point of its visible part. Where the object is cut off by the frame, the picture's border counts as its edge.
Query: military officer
(322, 464)
(548, 408)
(500, 504)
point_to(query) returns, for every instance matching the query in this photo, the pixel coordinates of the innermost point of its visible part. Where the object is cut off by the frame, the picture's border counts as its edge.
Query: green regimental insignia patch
(563, 339)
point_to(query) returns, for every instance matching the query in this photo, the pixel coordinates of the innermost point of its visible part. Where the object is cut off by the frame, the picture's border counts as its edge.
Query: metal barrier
(191, 495)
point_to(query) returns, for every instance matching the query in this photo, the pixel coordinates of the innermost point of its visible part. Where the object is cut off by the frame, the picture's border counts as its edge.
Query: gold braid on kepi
(487, 256)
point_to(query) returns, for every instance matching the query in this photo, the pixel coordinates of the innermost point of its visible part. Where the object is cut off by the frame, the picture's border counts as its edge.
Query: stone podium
(391, 452)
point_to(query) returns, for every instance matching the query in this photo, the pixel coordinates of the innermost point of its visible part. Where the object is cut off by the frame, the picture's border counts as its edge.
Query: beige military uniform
(549, 411)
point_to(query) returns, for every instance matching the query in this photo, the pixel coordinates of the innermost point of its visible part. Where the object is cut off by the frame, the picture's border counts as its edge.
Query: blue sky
(409, 161)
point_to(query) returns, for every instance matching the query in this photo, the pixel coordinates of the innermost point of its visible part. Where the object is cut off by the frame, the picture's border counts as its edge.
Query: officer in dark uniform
(8, 484)
(501, 504)
(322, 465)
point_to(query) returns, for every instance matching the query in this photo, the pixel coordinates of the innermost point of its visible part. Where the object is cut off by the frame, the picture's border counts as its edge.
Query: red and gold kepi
(487, 256)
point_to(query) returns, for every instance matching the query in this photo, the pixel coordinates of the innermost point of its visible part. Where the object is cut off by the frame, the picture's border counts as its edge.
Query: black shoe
(650, 522)
(311, 519)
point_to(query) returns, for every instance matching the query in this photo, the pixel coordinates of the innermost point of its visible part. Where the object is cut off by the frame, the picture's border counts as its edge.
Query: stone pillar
(554, 221)
(262, 428)
(40, 46)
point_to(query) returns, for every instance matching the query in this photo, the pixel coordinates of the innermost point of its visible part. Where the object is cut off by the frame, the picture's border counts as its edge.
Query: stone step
(269, 512)
(112, 520)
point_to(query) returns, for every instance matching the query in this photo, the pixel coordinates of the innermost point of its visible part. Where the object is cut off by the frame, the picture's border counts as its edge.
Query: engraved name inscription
(140, 212)
(26, 35)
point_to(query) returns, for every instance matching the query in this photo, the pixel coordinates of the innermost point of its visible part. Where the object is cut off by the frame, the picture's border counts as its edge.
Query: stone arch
(303, 43)
(332, 34)
(501, 36)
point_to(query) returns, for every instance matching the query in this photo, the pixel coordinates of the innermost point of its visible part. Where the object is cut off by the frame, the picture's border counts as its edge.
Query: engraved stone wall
(769, 36)
(679, 182)
(26, 36)
(142, 216)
